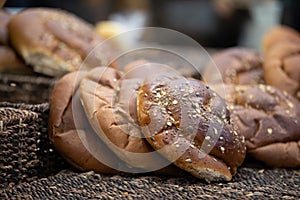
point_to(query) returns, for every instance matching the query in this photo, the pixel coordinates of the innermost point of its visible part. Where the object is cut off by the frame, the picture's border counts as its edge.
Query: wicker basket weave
(25, 150)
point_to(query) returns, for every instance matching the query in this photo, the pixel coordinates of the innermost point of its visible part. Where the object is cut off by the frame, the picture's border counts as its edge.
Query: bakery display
(67, 128)
(270, 121)
(236, 65)
(60, 42)
(178, 114)
(149, 115)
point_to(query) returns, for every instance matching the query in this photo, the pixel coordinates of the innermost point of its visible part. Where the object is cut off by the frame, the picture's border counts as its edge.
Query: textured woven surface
(25, 150)
(249, 183)
(25, 89)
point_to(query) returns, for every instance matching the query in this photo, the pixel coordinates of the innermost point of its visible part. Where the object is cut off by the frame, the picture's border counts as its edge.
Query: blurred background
(213, 23)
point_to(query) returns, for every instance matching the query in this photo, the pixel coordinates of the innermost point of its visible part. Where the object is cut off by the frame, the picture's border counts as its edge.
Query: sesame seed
(188, 160)
(215, 130)
(290, 104)
(235, 133)
(269, 131)
(221, 138)
(177, 145)
(169, 123)
(174, 102)
(222, 149)
(207, 137)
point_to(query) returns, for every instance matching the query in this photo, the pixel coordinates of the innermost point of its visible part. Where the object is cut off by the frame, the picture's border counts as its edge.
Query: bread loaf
(270, 121)
(188, 124)
(55, 42)
(68, 127)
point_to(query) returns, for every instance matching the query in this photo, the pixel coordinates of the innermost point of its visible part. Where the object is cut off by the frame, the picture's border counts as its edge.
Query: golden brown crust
(55, 42)
(282, 69)
(182, 115)
(269, 119)
(66, 136)
(237, 66)
(279, 34)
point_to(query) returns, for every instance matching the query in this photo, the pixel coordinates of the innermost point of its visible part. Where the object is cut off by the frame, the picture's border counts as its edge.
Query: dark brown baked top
(270, 121)
(237, 66)
(185, 116)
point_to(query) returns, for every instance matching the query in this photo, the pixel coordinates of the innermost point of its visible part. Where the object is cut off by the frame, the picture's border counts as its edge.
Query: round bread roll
(188, 124)
(237, 66)
(55, 42)
(282, 69)
(110, 103)
(66, 133)
(279, 34)
(4, 19)
(270, 121)
(11, 63)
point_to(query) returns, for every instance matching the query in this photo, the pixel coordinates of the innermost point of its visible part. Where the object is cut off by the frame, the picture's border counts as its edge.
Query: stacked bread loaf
(263, 96)
(49, 41)
(136, 121)
(119, 108)
(146, 118)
